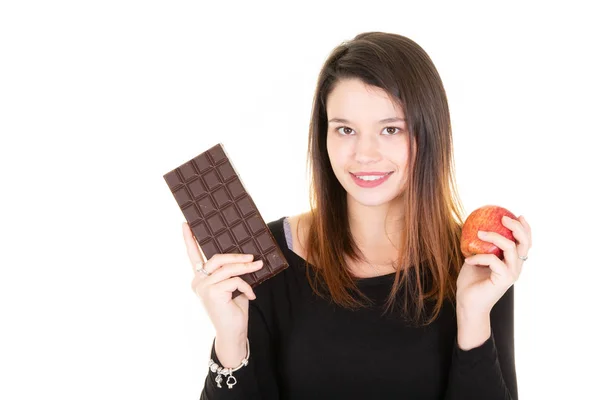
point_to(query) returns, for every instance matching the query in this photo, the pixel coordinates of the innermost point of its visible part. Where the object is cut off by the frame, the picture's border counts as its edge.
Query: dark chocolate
(222, 215)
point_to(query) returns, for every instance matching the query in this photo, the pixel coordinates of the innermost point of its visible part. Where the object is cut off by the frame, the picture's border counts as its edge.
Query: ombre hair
(429, 256)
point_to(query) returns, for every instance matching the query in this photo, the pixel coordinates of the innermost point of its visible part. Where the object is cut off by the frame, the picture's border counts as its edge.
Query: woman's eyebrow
(385, 120)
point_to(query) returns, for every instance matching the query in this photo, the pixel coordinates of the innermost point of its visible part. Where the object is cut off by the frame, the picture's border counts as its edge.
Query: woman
(378, 302)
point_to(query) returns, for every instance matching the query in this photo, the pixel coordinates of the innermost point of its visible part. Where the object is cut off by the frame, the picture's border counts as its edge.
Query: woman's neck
(376, 230)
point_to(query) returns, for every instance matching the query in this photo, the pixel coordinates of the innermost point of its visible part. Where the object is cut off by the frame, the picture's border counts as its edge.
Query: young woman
(377, 302)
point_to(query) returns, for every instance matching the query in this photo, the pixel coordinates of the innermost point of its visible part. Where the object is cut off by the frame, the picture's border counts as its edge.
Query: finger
(220, 259)
(518, 230)
(192, 247)
(480, 259)
(230, 285)
(198, 271)
(198, 279)
(527, 228)
(231, 270)
(506, 245)
(491, 261)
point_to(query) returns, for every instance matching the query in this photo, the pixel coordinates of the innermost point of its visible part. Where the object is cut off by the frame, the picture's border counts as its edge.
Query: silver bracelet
(221, 372)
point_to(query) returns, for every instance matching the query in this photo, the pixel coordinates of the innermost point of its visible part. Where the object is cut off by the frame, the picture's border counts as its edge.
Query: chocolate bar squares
(221, 213)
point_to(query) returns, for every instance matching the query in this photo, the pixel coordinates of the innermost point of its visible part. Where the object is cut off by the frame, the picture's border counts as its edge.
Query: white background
(99, 99)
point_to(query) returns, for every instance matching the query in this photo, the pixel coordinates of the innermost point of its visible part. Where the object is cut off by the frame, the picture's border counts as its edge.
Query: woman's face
(367, 136)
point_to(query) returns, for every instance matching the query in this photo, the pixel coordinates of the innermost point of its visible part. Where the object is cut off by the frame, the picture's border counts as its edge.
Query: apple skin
(486, 218)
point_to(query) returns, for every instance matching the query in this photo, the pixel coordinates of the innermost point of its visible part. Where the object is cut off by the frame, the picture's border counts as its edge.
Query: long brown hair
(429, 252)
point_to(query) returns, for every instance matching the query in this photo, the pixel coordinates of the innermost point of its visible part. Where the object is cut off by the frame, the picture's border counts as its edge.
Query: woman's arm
(486, 371)
(258, 379)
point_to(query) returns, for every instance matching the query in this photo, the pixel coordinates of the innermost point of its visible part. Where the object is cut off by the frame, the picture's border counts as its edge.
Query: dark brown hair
(429, 254)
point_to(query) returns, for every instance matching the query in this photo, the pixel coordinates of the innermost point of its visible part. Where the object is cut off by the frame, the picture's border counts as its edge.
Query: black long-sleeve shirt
(304, 347)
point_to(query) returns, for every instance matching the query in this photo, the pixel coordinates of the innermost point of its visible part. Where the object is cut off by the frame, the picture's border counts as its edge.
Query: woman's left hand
(479, 288)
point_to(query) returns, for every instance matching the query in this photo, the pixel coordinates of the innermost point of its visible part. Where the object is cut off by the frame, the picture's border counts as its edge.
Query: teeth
(370, 177)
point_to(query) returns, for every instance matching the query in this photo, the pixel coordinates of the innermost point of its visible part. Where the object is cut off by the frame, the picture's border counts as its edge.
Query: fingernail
(482, 233)
(257, 262)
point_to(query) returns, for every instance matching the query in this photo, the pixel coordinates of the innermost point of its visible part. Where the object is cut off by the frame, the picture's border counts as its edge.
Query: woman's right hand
(229, 317)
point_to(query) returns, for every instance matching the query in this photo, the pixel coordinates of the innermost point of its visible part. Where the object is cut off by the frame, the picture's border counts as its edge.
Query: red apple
(486, 218)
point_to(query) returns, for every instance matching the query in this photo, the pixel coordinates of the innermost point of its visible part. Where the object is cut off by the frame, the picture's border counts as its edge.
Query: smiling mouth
(369, 178)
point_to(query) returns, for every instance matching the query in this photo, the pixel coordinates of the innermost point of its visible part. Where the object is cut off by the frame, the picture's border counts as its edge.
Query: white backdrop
(99, 99)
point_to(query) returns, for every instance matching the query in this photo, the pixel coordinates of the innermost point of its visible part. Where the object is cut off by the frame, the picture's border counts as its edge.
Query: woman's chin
(373, 199)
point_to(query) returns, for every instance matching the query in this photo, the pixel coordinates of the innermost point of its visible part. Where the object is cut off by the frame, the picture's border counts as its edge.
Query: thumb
(242, 301)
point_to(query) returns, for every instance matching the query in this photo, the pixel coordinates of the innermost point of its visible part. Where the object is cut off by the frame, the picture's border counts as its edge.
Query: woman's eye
(387, 130)
(345, 133)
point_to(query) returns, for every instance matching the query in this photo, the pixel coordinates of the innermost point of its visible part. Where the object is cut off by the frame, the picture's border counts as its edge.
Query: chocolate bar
(222, 215)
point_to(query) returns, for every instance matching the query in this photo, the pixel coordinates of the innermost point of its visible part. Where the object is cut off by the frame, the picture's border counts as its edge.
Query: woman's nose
(366, 148)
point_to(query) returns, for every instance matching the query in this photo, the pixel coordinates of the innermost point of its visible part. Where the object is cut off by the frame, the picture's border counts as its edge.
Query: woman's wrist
(224, 373)
(473, 329)
(230, 350)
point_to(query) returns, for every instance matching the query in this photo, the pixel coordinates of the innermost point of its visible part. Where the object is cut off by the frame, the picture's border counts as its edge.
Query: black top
(304, 347)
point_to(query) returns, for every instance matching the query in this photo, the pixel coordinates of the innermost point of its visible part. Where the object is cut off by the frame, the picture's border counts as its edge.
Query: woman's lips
(380, 177)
